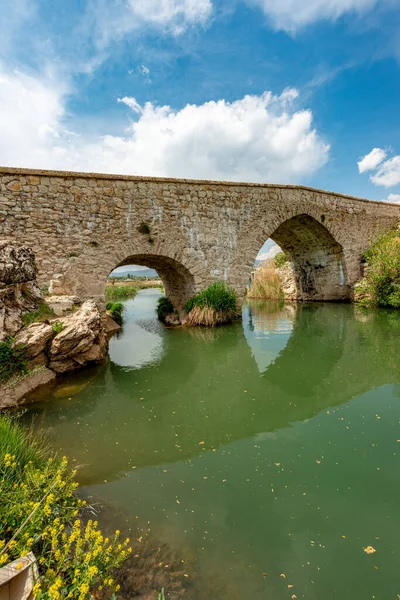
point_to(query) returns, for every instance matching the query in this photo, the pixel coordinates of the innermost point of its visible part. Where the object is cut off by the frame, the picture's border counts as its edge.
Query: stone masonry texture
(82, 225)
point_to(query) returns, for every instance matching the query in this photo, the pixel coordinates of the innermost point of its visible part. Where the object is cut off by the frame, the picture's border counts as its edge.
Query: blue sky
(288, 91)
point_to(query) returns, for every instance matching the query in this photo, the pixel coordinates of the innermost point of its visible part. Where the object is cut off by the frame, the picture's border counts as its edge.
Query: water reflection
(268, 447)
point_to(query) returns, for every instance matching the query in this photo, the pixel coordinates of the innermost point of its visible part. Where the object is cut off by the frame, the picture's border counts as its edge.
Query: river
(265, 453)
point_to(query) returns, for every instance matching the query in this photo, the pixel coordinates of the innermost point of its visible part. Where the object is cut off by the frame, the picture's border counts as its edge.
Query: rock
(19, 292)
(57, 286)
(172, 319)
(63, 304)
(14, 392)
(111, 326)
(35, 338)
(17, 264)
(288, 282)
(81, 341)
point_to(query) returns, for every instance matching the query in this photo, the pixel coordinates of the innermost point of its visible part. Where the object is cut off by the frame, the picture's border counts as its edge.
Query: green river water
(264, 454)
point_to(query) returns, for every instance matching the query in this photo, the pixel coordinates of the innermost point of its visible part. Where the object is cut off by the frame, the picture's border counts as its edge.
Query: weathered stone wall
(82, 226)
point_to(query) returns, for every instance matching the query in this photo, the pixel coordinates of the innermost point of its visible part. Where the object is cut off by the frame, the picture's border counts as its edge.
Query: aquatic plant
(266, 283)
(43, 312)
(121, 292)
(12, 359)
(41, 513)
(215, 305)
(115, 309)
(381, 283)
(164, 308)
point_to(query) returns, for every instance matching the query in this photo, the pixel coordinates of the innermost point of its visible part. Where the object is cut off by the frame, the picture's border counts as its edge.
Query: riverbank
(41, 513)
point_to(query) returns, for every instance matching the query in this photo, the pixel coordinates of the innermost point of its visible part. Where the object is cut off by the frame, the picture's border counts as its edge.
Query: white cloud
(272, 252)
(388, 173)
(372, 160)
(394, 198)
(256, 138)
(113, 20)
(292, 15)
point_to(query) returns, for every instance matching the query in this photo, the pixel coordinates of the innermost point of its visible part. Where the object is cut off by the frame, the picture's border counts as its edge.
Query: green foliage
(164, 308)
(161, 595)
(280, 259)
(120, 292)
(381, 284)
(115, 309)
(57, 328)
(40, 513)
(217, 296)
(42, 313)
(12, 359)
(144, 228)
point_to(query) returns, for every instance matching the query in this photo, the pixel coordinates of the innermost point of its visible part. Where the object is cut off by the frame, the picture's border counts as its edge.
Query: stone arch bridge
(83, 225)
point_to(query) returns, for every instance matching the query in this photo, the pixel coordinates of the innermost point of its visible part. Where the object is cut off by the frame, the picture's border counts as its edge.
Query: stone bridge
(83, 225)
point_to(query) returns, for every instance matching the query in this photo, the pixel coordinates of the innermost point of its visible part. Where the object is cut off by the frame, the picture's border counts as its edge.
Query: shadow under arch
(317, 258)
(178, 281)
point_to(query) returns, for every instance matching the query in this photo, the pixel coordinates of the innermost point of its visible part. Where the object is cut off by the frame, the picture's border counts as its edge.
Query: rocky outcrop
(35, 340)
(287, 280)
(19, 292)
(82, 340)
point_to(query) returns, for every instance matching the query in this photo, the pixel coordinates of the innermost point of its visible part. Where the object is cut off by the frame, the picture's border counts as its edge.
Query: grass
(215, 305)
(381, 283)
(266, 283)
(41, 513)
(120, 292)
(12, 359)
(164, 308)
(42, 313)
(115, 309)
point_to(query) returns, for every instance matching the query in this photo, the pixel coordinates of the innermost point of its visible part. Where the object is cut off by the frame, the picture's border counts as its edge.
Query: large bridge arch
(316, 254)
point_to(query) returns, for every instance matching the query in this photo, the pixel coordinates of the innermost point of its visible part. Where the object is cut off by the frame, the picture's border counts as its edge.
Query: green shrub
(217, 295)
(164, 308)
(213, 306)
(40, 513)
(12, 359)
(381, 284)
(115, 309)
(144, 228)
(42, 313)
(120, 292)
(280, 259)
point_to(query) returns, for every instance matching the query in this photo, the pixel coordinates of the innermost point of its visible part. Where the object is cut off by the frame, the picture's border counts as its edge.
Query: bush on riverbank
(280, 259)
(120, 292)
(40, 513)
(215, 305)
(266, 283)
(13, 359)
(164, 308)
(381, 283)
(115, 309)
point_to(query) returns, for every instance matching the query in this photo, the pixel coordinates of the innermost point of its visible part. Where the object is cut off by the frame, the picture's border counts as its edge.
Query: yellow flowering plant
(40, 512)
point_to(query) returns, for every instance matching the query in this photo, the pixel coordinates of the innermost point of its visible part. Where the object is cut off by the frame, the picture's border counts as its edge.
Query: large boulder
(81, 341)
(19, 292)
(35, 338)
